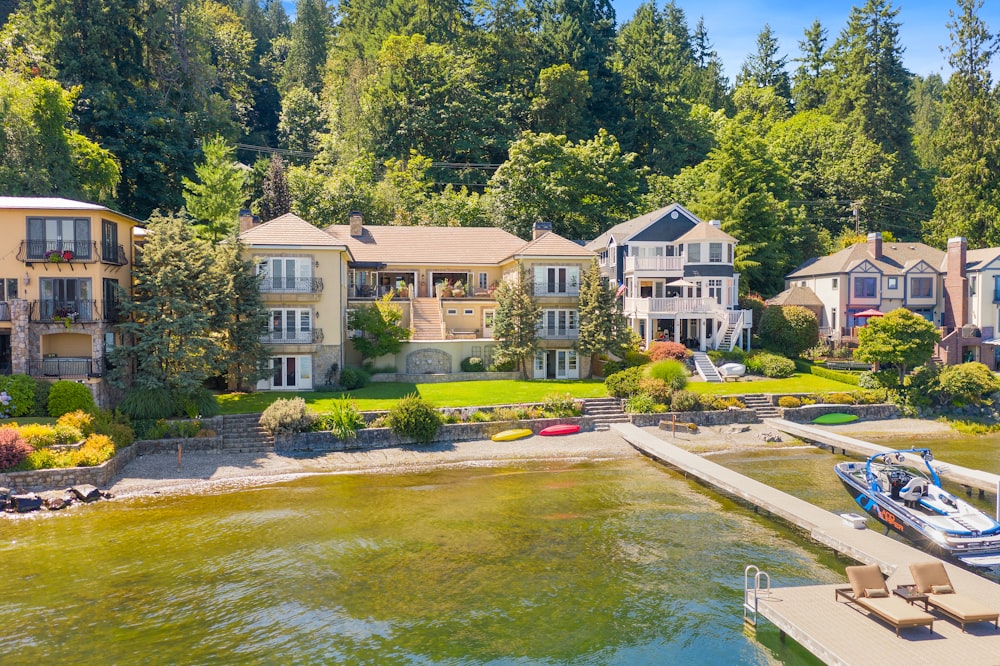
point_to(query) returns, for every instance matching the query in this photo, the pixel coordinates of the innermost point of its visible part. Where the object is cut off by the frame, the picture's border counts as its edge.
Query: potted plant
(54, 256)
(458, 290)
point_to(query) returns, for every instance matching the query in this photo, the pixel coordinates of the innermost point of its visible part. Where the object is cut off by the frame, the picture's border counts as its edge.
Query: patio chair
(931, 579)
(869, 592)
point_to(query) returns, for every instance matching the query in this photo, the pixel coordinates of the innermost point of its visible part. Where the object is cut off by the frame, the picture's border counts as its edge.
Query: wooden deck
(971, 478)
(836, 632)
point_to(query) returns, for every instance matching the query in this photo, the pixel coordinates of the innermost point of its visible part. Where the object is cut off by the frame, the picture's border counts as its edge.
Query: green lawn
(452, 394)
(797, 383)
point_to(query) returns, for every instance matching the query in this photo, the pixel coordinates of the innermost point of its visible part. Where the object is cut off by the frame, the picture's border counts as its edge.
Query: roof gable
(865, 266)
(428, 245)
(288, 230)
(552, 244)
(678, 220)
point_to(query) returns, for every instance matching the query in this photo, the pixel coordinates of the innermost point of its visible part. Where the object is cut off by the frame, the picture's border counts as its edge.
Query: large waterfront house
(957, 290)
(61, 270)
(677, 276)
(443, 278)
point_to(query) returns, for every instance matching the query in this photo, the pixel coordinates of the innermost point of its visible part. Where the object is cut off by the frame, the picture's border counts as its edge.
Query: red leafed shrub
(661, 351)
(13, 449)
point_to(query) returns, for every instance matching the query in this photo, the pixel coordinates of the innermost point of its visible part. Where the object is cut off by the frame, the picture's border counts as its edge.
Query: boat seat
(914, 489)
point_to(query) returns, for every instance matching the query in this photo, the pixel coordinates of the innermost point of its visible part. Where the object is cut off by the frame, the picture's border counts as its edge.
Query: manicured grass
(797, 383)
(452, 394)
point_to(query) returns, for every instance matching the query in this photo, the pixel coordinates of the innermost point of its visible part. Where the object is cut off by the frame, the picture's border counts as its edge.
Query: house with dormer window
(677, 277)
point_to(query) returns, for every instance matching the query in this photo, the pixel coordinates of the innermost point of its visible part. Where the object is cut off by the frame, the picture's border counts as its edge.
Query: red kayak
(566, 429)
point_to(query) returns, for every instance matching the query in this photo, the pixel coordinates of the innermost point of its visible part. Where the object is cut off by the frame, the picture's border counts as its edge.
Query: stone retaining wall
(440, 378)
(382, 438)
(869, 412)
(713, 418)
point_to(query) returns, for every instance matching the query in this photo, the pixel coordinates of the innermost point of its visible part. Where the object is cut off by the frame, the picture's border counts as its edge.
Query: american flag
(621, 290)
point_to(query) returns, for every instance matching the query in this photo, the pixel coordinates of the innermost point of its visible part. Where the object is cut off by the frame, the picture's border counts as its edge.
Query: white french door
(289, 373)
(540, 366)
(567, 366)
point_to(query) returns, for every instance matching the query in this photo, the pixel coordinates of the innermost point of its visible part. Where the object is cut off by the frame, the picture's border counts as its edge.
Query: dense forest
(502, 112)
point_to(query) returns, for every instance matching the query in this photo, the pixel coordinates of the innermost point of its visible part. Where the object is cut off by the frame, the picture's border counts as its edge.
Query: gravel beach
(206, 472)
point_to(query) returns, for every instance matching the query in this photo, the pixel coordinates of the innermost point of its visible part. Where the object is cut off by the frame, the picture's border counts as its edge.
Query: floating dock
(970, 478)
(834, 631)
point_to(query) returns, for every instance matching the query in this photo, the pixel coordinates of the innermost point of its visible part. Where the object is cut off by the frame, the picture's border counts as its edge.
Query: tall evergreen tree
(275, 198)
(170, 340)
(309, 47)
(927, 96)
(766, 68)
(809, 91)
(707, 83)
(515, 322)
(603, 327)
(239, 318)
(968, 191)
(215, 200)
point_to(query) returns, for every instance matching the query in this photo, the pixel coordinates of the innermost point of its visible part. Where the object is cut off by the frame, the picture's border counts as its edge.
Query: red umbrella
(869, 313)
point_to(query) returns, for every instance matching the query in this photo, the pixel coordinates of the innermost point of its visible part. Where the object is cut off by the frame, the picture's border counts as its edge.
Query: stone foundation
(444, 377)
(714, 418)
(867, 412)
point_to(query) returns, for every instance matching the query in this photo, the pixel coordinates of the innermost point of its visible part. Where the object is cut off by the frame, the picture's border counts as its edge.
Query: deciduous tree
(379, 330)
(900, 339)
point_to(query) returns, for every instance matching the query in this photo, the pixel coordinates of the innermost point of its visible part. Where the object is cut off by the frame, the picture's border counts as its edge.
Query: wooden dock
(971, 478)
(837, 632)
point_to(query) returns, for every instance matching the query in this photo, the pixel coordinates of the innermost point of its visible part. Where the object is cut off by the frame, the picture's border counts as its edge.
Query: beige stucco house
(61, 271)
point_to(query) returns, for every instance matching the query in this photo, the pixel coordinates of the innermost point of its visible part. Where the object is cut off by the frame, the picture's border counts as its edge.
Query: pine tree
(215, 200)
(765, 68)
(707, 84)
(309, 47)
(276, 200)
(602, 325)
(814, 66)
(239, 317)
(515, 322)
(171, 342)
(968, 191)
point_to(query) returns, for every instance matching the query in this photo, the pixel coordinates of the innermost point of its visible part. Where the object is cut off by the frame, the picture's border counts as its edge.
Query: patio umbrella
(681, 283)
(869, 313)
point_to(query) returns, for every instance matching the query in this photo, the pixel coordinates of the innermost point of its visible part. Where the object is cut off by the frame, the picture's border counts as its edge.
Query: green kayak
(834, 419)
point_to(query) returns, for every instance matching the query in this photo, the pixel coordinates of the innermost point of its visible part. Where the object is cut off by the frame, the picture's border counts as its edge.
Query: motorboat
(913, 504)
(732, 370)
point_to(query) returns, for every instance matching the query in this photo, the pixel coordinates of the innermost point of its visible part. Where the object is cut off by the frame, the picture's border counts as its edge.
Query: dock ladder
(753, 578)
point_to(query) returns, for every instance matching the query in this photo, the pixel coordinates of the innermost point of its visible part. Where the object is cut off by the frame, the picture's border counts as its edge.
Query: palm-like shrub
(670, 371)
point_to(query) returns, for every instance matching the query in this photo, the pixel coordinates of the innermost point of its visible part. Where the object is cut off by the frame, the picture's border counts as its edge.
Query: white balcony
(654, 264)
(671, 306)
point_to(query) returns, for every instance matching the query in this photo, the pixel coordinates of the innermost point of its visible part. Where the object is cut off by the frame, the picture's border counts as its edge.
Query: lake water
(621, 562)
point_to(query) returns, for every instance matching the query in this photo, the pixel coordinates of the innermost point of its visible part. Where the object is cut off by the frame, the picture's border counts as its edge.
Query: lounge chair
(931, 579)
(869, 592)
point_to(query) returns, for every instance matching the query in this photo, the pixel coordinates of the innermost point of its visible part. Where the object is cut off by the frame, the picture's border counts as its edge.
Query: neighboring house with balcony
(677, 277)
(60, 277)
(303, 276)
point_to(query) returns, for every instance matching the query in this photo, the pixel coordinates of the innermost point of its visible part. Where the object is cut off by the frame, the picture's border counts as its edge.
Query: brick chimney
(246, 219)
(357, 224)
(540, 228)
(956, 290)
(875, 244)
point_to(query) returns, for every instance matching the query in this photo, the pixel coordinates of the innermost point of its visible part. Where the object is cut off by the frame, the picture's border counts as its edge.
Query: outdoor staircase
(703, 364)
(605, 412)
(426, 320)
(730, 335)
(762, 406)
(241, 433)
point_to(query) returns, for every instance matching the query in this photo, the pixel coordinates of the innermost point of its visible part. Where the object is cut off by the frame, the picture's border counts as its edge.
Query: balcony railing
(671, 306)
(556, 289)
(113, 255)
(374, 291)
(58, 252)
(65, 367)
(558, 333)
(659, 264)
(291, 285)
(73, 312)
(315, 336)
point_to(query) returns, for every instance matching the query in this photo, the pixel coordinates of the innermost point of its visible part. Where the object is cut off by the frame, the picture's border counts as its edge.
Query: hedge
(826, 373)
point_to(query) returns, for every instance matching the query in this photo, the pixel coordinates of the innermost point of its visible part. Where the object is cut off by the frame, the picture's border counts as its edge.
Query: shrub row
(34, 446)
(826, 373)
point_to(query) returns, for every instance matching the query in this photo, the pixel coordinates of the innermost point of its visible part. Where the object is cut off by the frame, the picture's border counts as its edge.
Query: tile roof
(977, 260)
(796, 296)
(896, 259)
(552, 244)
(288, 230)
(622, 231)
(428, 245)
(705, 231)
(53, 203)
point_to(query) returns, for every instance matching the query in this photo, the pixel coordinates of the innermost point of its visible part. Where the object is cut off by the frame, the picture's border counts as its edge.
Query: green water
(619, 562)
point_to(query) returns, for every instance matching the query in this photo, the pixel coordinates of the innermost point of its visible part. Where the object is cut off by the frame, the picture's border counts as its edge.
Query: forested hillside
(502, 112)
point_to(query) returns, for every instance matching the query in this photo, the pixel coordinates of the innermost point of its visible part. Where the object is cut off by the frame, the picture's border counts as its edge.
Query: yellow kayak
(508, 435)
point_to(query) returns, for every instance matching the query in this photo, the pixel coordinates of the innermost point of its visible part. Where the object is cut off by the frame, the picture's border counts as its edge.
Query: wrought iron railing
(65, 367)
(57, 252)
(114, 255)
(68, 312)
(291, 285)
(315, 336)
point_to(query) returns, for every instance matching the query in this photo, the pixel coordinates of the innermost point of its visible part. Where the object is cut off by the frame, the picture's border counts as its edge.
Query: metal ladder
(751, 591)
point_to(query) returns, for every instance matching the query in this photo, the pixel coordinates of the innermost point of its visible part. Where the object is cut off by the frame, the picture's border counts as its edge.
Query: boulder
(86, 492)
(25, 503)
(4, 495)
(53, 500)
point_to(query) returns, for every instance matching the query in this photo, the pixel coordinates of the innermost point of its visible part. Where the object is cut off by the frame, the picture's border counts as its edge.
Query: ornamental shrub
(790, 329)
(685, 401)
(557, 405)
(95, 450)
(657, 389)
(473, 364)
(756, 303)
(770, 365)
(503, 366)
(623, 384)
(343, 420)
(13, 448)
(286, 416)
(353, 378)
(68, 397)
(672, 372)
(20, 390)
(414, 417)
(838, 399)
(729, 401)
(80, 420)
(147, 404)
(966, 384)
(640, 403)
(789, 401)
(195, 404)
(635, 358)
(42, 388)
(660, 351)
